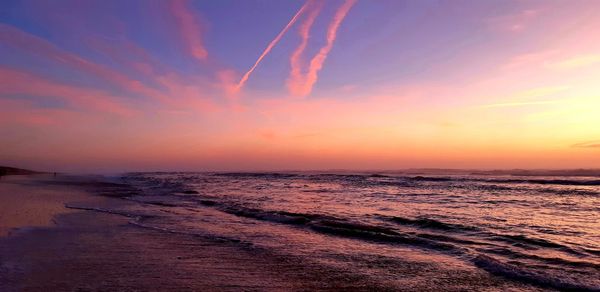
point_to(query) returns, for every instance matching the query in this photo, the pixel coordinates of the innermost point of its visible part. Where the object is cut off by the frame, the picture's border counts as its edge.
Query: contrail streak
(316, 64)
(271, 45)
(296, 80)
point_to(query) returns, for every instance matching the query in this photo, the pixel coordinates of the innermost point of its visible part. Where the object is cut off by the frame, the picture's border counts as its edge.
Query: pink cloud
(39, 117)
(268, 134)
(19, 82)
(296, 80)
(587, 144)
(516, 22)
(188, 93)
(316, 63)
(23, 112)
(531, 59)
(45, 49)
(189, 29)
(129, 55)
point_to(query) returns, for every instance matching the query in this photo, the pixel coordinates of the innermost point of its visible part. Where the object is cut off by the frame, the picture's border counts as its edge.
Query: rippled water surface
(543, 231)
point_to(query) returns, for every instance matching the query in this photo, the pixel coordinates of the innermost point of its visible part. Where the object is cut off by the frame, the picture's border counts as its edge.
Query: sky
(108, 86)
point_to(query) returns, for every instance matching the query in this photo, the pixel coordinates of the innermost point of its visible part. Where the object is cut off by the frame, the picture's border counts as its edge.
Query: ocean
(542, 231)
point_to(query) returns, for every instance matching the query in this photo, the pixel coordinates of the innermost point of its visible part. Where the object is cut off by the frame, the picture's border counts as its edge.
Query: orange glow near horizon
(521, 91)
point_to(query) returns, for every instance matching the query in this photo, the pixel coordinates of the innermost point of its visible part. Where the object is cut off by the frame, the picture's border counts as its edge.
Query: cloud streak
(189, 29)
(304, 87)
(588, 144)
(271, 45)
(577, 62)
(43, 48)
(177, 92)
(525, 103)
(18, 82)
(296, 79)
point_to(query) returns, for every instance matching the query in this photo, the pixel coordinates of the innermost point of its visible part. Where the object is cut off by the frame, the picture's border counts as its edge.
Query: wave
(113, 189)
(445, 238)
(405, 180)
(137, 223)
(529, 242)
(592, 251)
(256, 174)
(272, 216)
(330, 225)
(429, 223)
(506, 252)
(138, 220)
(343, 227)
(208, 202)
(379, 175)
(520, 256)
(321, 223)
(546, 280)
(336, 226)
(506, 181)
(108, 211)
(565, 182)
(518, 240)
(378, 234)
(431, 178)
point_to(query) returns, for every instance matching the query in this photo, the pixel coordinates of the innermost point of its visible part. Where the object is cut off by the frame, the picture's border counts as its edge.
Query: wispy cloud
(576, 62)
(43, 48)
(316, 63)
(552, 59)
(528, 97)
(18, 82)
(529, 59)
(272, 44)
(515, 22)
(588, 144)
(514, 104)
(190, 31)
(296, 80)
(128, 55)
(20, 112)
(176, 92)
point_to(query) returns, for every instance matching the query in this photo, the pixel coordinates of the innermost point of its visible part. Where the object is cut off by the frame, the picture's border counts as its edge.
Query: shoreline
(92, 250)
(88, 250)
(34, 200)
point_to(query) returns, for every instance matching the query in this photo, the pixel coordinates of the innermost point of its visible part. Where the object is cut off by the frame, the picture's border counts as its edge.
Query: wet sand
(27, 200)
(94, 251)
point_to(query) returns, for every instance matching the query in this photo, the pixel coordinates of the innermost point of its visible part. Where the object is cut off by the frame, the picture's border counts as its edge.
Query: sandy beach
(309, 145)
(52, 247)
(46, 246)
(25, 205)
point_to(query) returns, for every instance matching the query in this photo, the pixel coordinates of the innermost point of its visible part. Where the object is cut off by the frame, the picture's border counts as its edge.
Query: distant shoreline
(590, 172)
(6, 170)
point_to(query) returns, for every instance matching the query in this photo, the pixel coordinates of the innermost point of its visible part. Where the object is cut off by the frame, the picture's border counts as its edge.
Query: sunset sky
(102, 86)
